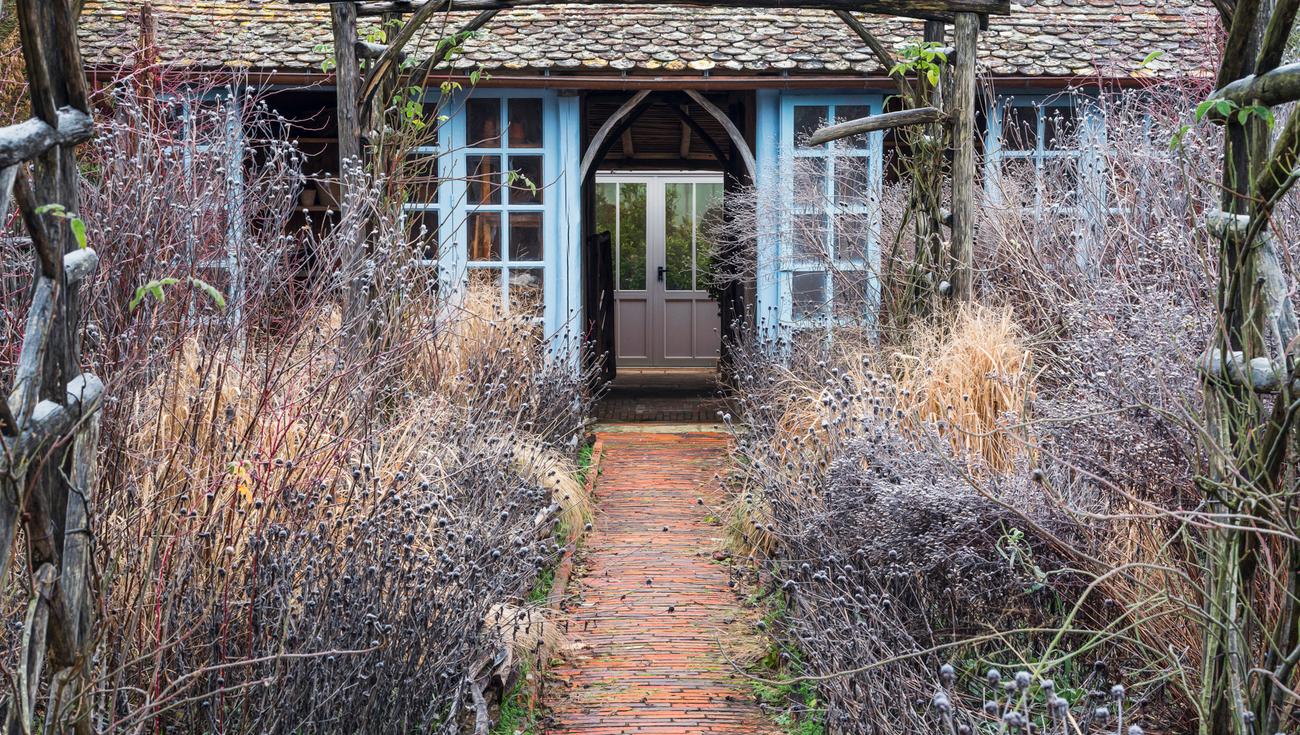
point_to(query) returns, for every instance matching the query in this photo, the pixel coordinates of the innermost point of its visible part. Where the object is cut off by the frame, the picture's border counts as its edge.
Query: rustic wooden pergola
(358, 87)
(49, 422)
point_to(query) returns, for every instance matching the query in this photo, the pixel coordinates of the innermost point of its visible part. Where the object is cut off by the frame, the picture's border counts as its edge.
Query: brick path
(653, 603)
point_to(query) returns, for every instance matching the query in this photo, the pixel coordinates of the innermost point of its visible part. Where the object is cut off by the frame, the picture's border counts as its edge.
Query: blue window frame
(222, 268)
(506, 206)
(829, 252)
(424, 205)
(1043, 159)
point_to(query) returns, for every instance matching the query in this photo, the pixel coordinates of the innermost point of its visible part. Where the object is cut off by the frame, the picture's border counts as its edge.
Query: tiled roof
(1040, 38)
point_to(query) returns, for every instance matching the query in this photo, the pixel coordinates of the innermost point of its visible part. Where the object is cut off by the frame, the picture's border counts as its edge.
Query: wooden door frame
(656, 297)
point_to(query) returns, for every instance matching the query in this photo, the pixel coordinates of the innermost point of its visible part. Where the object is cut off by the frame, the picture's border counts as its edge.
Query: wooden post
(49, 401)
(347, 76)
(962, 249)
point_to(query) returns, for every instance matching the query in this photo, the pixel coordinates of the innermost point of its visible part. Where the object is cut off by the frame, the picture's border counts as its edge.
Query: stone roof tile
(1086, 37)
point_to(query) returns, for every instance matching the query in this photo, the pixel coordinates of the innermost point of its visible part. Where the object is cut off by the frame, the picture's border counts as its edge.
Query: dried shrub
(1018, 481)
(303, 524)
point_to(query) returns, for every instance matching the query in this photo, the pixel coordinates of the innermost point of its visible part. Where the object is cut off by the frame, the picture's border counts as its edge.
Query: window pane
(852, 180)
(424, 233)
(1020, 128)
(844, 113)
(421, 174)
(526, 236)
(525, 123)
(854, 294)
(1060, 128)
(484, 185)
(1019, 182)
(810, 236)
(807, 293)
(484, 291)
(606, 200)
(1060, 181)
(527, 185)
(484, 236)
(526, 298)
(678, 232)
(810, 181)
(853, 237)
(807, 119)
(708, 217)
(483, 122)
(631, 241)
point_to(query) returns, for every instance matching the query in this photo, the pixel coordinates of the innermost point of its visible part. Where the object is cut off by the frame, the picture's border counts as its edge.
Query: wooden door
(664, 316)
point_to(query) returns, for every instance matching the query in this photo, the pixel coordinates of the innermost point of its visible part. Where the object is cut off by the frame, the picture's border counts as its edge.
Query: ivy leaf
(933, 75)
(1150, 58)
(210, 290)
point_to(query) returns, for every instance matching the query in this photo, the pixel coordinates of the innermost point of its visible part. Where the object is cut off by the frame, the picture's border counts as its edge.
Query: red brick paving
(638, 668)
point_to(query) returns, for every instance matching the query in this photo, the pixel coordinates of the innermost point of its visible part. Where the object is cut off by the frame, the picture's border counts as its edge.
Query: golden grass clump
(975, 381)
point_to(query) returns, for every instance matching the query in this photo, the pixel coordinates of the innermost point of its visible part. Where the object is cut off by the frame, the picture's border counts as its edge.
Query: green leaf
(154, 289)
(1223, 107)
(1150, 58)
(1203, 109)
(78, 231)
(210, 290)
(1177, 140)
(933, 76)
(55, 209)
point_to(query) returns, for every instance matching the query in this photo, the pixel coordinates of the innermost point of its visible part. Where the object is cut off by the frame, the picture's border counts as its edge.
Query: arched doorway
(658, 165)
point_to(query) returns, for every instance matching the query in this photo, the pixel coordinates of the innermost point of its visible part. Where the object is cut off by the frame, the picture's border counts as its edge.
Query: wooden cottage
(639, 121)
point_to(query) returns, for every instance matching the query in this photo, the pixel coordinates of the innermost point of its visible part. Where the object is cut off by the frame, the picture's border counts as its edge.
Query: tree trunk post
(347, 75)
(962, 250)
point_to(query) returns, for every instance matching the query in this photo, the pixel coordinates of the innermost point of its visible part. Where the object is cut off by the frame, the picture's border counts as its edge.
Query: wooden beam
(872, 123)
(961, 280)
(1276, 35)
(33, 137)
(391, 54)
(347, 75)
(684, 138)
(628, 149)
(699, 130)
(371, 51)
(883, 55)
(603, 132)
(1276, 87)
(1237, 55)
(51, 420)
(923, 9)
(78, 264)
(737, 138)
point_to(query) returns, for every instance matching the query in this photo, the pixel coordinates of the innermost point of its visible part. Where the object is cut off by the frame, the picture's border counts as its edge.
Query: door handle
(662, 271)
